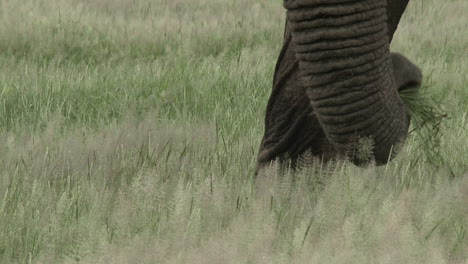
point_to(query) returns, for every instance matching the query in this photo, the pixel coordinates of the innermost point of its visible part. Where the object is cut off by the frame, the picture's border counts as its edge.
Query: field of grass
(129, 131)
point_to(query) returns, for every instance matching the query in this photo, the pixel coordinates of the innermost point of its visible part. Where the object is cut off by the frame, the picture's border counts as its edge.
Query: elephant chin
(345, 67)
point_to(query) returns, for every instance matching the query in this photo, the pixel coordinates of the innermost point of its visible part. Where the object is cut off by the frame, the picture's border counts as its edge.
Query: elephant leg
(291, 127)
(395, 9)
(407, 75)
(292, 131)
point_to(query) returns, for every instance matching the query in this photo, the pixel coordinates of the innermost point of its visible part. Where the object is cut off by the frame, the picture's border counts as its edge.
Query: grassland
(129, 129)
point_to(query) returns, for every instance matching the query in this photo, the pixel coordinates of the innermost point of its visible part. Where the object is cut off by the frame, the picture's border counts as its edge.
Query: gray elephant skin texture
(336, 82)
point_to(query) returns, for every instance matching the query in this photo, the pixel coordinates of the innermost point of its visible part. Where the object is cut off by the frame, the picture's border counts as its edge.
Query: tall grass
(129, 131)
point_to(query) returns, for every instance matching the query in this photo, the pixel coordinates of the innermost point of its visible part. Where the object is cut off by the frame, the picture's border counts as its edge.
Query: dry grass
(129, 131)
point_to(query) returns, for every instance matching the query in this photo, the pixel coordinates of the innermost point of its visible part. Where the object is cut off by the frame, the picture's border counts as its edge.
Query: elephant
(336, 81)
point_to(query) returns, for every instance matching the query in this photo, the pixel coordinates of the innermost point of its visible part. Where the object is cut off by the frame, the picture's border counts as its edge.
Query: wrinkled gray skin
(336, 81)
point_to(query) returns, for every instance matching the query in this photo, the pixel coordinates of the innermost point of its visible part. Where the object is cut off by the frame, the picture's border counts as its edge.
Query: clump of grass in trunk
(426, 119)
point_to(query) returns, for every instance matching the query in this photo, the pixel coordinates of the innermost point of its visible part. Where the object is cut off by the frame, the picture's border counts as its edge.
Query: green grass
(129, 132)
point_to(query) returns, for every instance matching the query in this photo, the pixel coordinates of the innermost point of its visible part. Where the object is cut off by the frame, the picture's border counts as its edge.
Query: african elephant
(336, 81)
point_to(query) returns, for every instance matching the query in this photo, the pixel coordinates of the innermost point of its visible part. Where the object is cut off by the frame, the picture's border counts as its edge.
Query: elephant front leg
(293, 131)
(291, 127)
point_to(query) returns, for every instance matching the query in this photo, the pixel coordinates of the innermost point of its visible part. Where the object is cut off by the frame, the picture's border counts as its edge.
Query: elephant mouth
(407, 75)
(411, 86)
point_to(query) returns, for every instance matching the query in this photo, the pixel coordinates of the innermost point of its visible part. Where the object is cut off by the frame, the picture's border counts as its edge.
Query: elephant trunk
(344, 61)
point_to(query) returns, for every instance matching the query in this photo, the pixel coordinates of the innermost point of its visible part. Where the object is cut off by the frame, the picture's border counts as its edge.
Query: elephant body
(336, 81)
